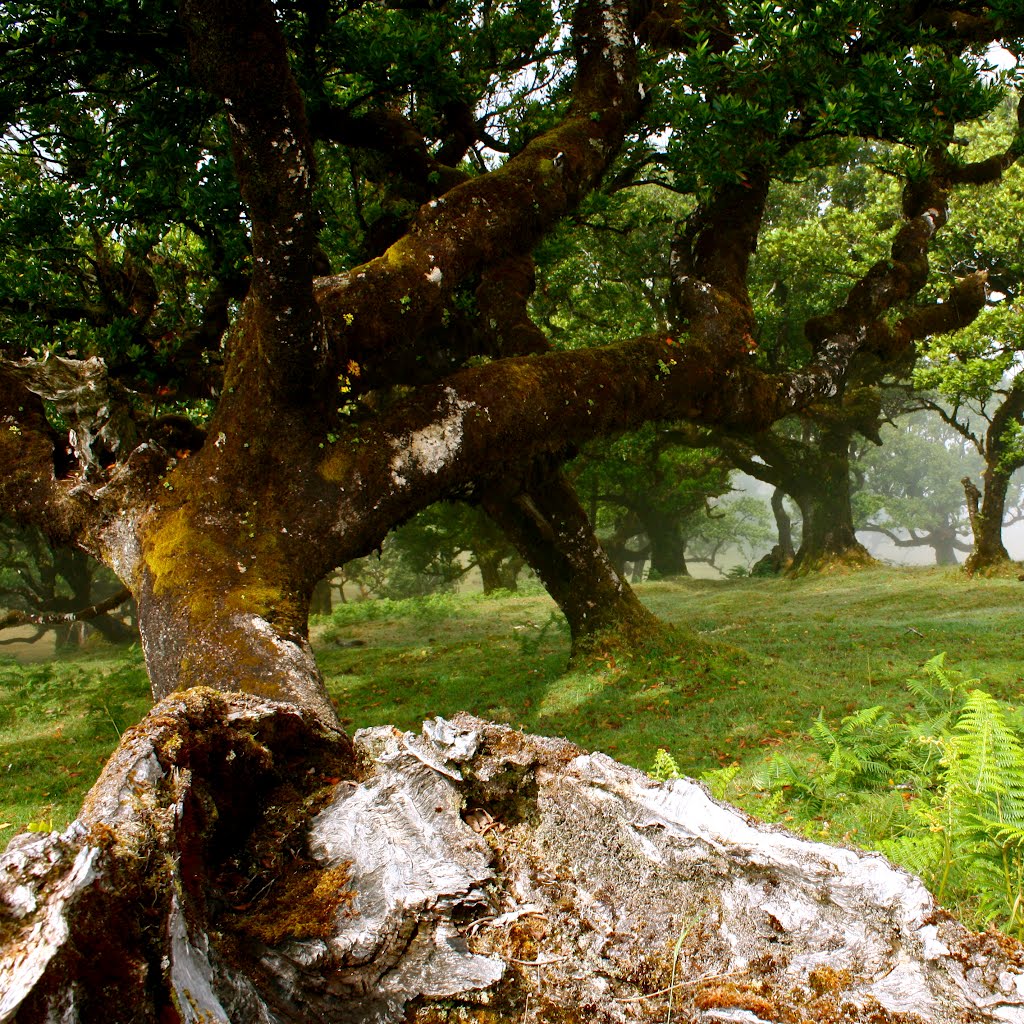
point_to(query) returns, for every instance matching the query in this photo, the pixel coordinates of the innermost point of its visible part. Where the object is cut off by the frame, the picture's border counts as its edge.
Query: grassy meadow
(750, 666)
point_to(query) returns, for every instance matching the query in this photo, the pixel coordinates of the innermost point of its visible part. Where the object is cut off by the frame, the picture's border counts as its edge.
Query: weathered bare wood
(470, 873)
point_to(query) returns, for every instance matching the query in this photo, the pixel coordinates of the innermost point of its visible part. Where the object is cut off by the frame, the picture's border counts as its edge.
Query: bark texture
(469, 873)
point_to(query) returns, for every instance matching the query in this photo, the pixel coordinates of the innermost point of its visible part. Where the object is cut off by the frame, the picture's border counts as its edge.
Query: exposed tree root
(236, 862)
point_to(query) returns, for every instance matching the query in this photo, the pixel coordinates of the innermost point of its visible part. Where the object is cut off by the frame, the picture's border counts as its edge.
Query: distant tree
(435, 551)
(651, 491)
(57, 590)
(976, 372)
(819, 234)
(734, 526)
(981, 396)
(909, 490)
(808, 459)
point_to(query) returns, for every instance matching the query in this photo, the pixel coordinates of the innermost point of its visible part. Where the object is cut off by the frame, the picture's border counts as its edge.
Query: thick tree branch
(239, 54)
(711, 259)
(970, 23)
(402, 146)
(33, 455)
(21, 618)
(375, 312)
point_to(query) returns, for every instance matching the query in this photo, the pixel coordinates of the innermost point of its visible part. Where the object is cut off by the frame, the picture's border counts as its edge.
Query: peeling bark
(470, 870)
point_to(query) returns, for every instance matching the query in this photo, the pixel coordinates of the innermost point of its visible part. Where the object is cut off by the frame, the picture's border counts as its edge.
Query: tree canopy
(268, 270)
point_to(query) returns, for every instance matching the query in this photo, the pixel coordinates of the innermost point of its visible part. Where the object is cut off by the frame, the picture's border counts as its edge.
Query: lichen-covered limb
(858, 322)
(471, 865)
(499, 214)
(97, 408)
(470, 428)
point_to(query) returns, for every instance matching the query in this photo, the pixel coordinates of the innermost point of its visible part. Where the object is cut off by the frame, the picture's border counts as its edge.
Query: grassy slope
(762, 657)
(766, 656)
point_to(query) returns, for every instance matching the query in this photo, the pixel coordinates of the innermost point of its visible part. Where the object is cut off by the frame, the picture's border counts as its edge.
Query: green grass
(59, 722)
(762, 657)
(753, 662)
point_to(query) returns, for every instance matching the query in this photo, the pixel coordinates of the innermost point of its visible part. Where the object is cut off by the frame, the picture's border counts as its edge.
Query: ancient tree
(267, 273)
(971, 378)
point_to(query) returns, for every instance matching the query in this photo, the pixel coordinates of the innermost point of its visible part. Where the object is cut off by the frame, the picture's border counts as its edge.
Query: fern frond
(779, 771)
(665, 766)
(823, 735)
(1004, 835)
(719, 779)
(920, 853)
(940, 690)
(986, 759)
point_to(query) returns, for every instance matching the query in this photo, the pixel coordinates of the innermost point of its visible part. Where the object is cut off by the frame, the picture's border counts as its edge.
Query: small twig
(537, 963)
(680, 984)
(916, 632)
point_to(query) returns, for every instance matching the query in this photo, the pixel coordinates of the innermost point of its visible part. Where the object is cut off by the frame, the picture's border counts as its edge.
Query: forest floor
(752, 663)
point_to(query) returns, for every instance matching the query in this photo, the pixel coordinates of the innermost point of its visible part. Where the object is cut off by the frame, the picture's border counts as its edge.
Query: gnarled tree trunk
(668, 543)
(549, 527)
(238, 861)
(821, 489)
(985, 510)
